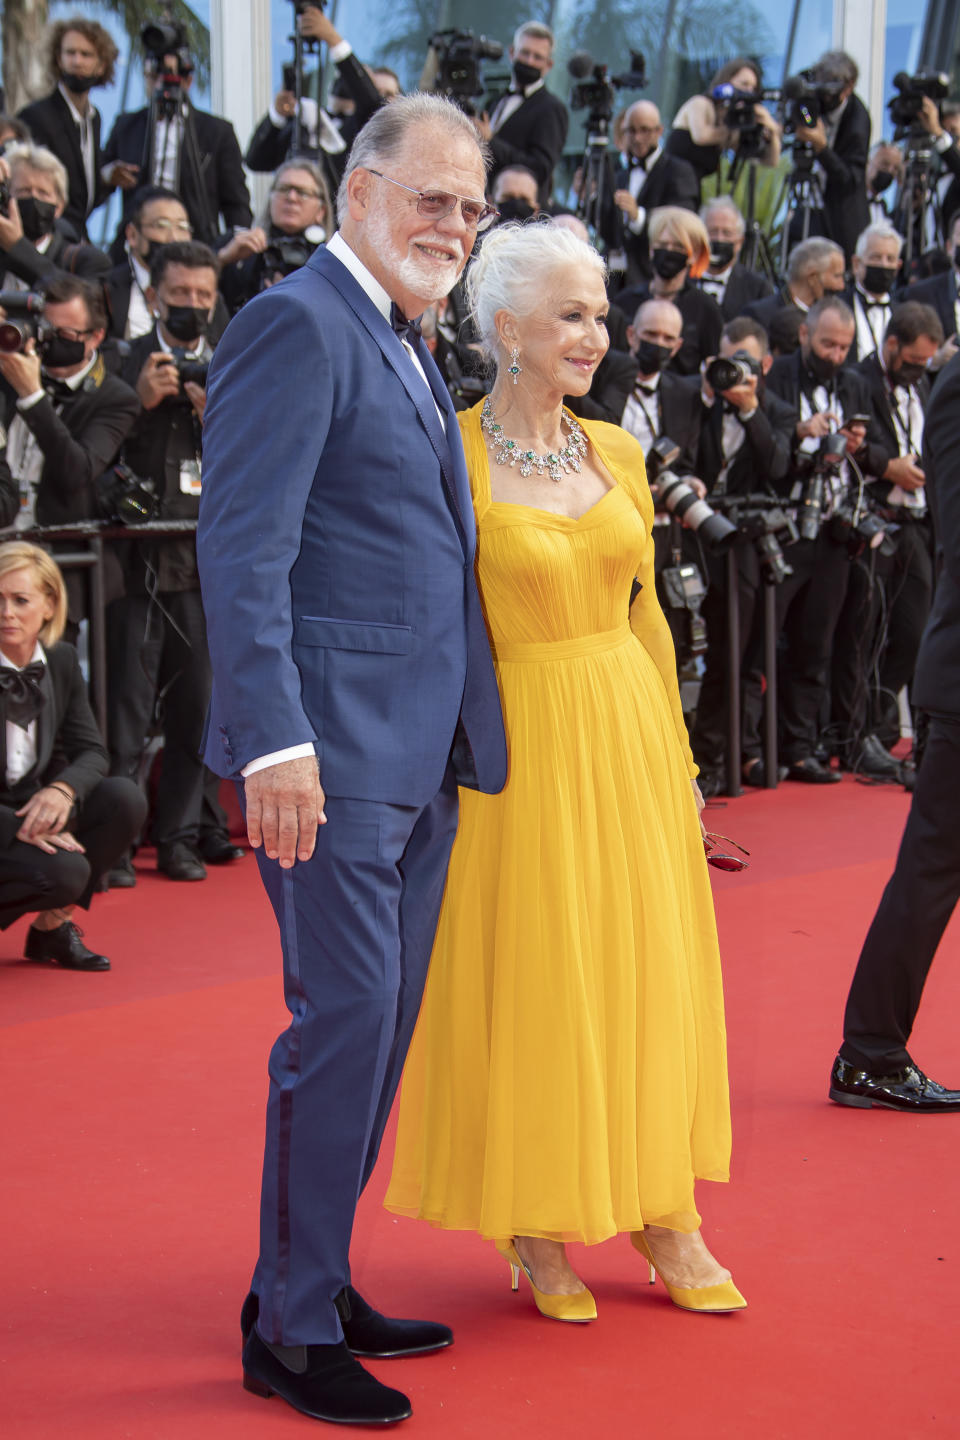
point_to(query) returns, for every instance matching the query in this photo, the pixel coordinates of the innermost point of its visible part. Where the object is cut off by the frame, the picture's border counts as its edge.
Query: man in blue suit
(353, 690)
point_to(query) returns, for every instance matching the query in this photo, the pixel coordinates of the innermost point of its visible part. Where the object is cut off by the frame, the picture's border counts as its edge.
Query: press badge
(190, 477)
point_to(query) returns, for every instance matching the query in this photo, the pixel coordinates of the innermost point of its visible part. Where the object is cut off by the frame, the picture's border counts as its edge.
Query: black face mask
(80, 84)
(515, 209)
(525, 75)
(36, 216)
(721, 254)
(907, 372)
(186, 322)
(652, 358)
(820, 368)
(668, 263)
(879, 279)
(59, 354)
(882, 180)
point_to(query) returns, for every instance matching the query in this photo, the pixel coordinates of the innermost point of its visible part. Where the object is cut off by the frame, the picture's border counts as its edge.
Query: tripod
(918, 202)
(597, 177)
(804, 198)
(169, 105)
(756, 253)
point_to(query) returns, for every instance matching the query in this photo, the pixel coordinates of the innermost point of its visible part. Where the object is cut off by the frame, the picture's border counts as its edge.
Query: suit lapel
(46, 722)
(69, 127)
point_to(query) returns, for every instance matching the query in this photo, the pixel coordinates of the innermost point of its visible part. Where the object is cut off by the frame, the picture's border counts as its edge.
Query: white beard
(429, 279)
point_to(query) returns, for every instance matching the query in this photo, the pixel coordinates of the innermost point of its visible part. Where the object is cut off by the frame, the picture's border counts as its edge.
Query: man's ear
(359, 187)
(765, 364)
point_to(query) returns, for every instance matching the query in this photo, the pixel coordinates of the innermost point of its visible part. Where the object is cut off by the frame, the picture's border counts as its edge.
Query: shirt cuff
(276, 119)
(277, 757)
(340, 52)
(705, 399)
(943, 143)
(746, 415)
(28, 401)
(636, 226)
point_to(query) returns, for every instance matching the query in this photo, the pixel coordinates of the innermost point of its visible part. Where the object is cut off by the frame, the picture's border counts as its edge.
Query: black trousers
(709, 738)
(909, 591)
(151, 653)
(31, 880)
(917, 904)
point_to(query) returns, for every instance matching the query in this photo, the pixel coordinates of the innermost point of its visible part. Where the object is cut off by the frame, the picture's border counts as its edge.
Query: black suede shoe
(322, 1381)
(875, 759)
(122, 876)
(755, 772)
(810, 772)
(179, 862)
(218, 849)
(64, 947)
(907, 1089)
(366, 1332)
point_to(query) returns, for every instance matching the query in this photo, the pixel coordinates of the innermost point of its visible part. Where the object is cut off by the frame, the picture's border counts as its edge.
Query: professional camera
(861, 529)
(160, 40)
(679, 499)
(763, 521)
(24, 320)
(740, 111)
(459, 54)
(286, 254)
(905, 106)
(125, 497)
(189, 368)
(808, 99)
(725, 373)
(597, 93)
(827, 461)
(166, 37)
(5, 196)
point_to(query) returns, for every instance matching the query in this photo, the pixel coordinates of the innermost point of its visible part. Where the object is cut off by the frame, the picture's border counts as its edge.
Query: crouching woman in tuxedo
(62, 825)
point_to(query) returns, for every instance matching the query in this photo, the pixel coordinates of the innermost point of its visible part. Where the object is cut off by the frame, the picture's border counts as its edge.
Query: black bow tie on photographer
(58, 390)
(21, 692)
(408, 330)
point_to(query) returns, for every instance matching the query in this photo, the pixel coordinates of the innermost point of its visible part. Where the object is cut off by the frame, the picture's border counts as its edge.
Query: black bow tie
(22, 693)
(648, 390)
(408, 330)
(869, 304)
(58, 390)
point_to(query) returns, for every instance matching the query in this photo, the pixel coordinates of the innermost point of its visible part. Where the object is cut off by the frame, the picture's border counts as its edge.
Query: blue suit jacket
(336, 544)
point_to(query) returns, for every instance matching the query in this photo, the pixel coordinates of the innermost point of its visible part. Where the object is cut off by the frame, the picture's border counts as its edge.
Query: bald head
(642, 129)
(657, 326)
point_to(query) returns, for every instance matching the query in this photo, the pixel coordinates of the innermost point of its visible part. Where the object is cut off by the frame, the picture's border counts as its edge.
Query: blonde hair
(19, 555)
(689, 230)
(39, 158)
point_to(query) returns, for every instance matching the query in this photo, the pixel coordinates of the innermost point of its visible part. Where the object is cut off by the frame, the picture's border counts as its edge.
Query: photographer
(832, 400)
(527, 125)
(156, 637)
(701, 130)
(815, 268)
(323, 137)
(732, 285)
(884, 171)
(32, 249)
(298, 214)
(679, 252)
(876, 268)
(744, 449)
(650, 178)
(516, 194)
(169, 143)
(81, 56)
(64, 416)
(899, 392)
(840, 140)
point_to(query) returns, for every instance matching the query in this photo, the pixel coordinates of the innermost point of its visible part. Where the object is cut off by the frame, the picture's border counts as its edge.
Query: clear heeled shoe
(705, 1299)
(578, 1308)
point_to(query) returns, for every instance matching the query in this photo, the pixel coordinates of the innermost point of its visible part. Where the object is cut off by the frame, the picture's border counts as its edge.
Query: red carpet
(132, 1131)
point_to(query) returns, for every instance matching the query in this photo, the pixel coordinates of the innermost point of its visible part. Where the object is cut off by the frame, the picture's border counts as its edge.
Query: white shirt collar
(81, 120)
(38, 656)
(530, 90)
(140, 272)
(368, 283)
(73, 382)
(194, 349)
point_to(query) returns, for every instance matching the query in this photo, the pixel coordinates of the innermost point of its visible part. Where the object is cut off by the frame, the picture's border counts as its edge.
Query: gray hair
(536, 31)
(318, 178)
(384, 135)
(814, 254)
(38, 157)
(508, 273)
(723, 202)
(837, 66)
(880, 231)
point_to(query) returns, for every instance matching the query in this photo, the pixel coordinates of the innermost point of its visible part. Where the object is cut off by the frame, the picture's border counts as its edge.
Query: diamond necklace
(508, 452)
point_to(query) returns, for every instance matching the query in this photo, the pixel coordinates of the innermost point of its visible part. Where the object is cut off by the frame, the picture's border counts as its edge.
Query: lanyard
(905, 427)
(652, 421)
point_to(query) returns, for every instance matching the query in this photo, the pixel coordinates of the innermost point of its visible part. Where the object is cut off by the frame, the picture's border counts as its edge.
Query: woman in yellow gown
(567, 1079)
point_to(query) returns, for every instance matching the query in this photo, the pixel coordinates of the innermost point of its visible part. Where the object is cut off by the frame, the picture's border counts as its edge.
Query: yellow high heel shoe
(578, 1308)
(707, 1299)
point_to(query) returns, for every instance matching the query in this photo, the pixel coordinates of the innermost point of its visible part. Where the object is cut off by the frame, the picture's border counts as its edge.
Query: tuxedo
(211, 182)
(534, 135)
(52, 124)
(790, 379)
(763, 310)
(107, 813)
(872, 317)
(345, 624)
(673, 409)
(118, 285)
(940, 291)
(925, 886)
(743, 288)
(845, 209)
(702, 323)
(670, 181)
(24, 262)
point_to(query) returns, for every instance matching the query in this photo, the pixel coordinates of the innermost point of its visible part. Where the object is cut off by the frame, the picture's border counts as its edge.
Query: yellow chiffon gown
(567, 1078)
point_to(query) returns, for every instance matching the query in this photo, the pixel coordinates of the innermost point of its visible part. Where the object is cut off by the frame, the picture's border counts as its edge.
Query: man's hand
(944, 355)
(624, 201)
(766, 119)
(21, 370)
(817, 426)
(314, 25)
(284, 807)
(743, 396)
(856, 434)
(11, 227)
(905, 472)
(244, 243)
(45, 813)
(929, 117)
(481, 123)
(197, 396)
(817, 136)
(159, 380)
(52, 841)
(285, 104)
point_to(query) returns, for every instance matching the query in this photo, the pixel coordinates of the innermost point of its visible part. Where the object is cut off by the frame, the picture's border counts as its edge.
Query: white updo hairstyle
(510, 272)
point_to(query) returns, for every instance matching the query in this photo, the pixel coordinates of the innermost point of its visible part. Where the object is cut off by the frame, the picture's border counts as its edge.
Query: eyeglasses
(718, 859)
(435, 204)
(168, 227)
(296, 192)
(65, 332)
(641, 129)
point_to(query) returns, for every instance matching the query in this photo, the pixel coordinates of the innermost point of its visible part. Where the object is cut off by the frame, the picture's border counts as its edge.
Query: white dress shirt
(84, 124)
(714, 284)
(636, 179)
(21, 744)
(139, 317)
(872, 314)
(906, 412)
(24, 455)
(510, 103)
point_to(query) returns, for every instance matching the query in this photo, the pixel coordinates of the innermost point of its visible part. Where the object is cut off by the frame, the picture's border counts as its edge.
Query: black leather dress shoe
(322, 1381)
(366, 1332)
(907, 1089)
(122, 876)
(64, 947)
(218, 850)
(755, 772)
(875, 759)
(810, 772)
(179, 862)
